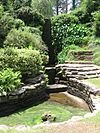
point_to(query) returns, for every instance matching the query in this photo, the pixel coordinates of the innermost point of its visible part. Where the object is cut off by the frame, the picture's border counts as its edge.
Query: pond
(32, 115)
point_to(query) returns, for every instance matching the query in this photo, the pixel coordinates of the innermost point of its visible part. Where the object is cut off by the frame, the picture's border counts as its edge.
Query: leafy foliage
(94, 42)
(23, 39)
(21, 3)
(1, 10)
(27, 61)
(66, 30)
(7, 23)
(97, 55)
(9, 80)
(84, 12)
(29, 16)
(44, 7)
(64, 54)
(97, 24)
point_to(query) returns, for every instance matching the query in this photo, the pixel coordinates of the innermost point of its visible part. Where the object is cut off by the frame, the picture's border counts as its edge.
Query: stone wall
(75, 86)
(23, 97)
(79, 89)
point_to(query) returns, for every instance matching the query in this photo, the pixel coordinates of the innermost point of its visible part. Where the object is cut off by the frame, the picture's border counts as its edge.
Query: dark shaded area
(47, 38)
(22, 102)
(51, 72)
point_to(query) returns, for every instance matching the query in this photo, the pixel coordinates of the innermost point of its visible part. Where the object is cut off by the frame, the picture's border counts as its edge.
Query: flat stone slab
(82, 68)
(56, 88)
(75, 65)
(78, 62)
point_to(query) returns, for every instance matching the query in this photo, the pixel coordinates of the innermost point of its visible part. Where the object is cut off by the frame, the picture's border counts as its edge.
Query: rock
(76, 118)
(3, 127)
(56, 88)
(22, 128)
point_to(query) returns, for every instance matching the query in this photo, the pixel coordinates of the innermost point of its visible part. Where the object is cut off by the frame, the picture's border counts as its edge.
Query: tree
(20, 3)
(44, 7)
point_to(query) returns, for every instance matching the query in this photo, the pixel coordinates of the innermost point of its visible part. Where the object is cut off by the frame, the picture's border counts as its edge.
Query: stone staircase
(86, 55)
(69, 77)
(78, 70)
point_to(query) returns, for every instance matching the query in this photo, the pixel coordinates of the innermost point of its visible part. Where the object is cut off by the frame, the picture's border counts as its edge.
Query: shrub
(48, 117)
(94, 42)
(6, 24)
(1, 10)
(9, 80)
(31, 30)
(67, 31)
(82, 15)
(92, 5)
(97, 24)
(23, 39)
(20, 3)
(97, 55)
(64, 54)
(30, 17)
(28, 62)
(84, 12)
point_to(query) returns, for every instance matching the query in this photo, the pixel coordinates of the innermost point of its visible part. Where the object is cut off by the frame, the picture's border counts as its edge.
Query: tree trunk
(73, 4)
(57, 7)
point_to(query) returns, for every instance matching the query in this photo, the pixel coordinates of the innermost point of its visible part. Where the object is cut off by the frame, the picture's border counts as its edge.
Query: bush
(1, 10)
(48, 117)
(82, 15)
(30, 17)
(31, 30)
(67, 31)
(9, 80)
(84, 12)
(94, 42)
(97, 24)
(64, 54)
(28, 62)
(92, 5)
(97, 55)
(6, 24)
(23, 39)
(20, 3)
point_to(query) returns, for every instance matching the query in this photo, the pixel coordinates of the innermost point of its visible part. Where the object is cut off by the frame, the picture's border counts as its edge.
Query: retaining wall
(22, 97)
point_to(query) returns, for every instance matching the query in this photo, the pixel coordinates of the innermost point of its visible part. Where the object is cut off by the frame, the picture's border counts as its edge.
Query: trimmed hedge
(28, 62)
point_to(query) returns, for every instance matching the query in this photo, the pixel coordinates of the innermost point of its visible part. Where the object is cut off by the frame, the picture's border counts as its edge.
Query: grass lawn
(94, 119)
(32, 116)
(88, 125)
(95, 81)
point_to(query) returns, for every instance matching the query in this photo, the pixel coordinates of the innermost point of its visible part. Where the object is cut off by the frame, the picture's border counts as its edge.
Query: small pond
(32, 116)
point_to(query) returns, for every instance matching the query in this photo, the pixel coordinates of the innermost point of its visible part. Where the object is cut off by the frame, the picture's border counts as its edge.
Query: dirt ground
(74, 127)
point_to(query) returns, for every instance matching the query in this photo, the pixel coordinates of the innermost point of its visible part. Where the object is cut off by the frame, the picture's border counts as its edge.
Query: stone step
(55, 88)
(74, 65)
(81, 69)
(96, 72)
(81, 77)
(92, 76)
(78, 62)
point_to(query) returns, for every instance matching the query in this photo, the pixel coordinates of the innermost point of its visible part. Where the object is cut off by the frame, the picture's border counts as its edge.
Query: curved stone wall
(22, 97)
